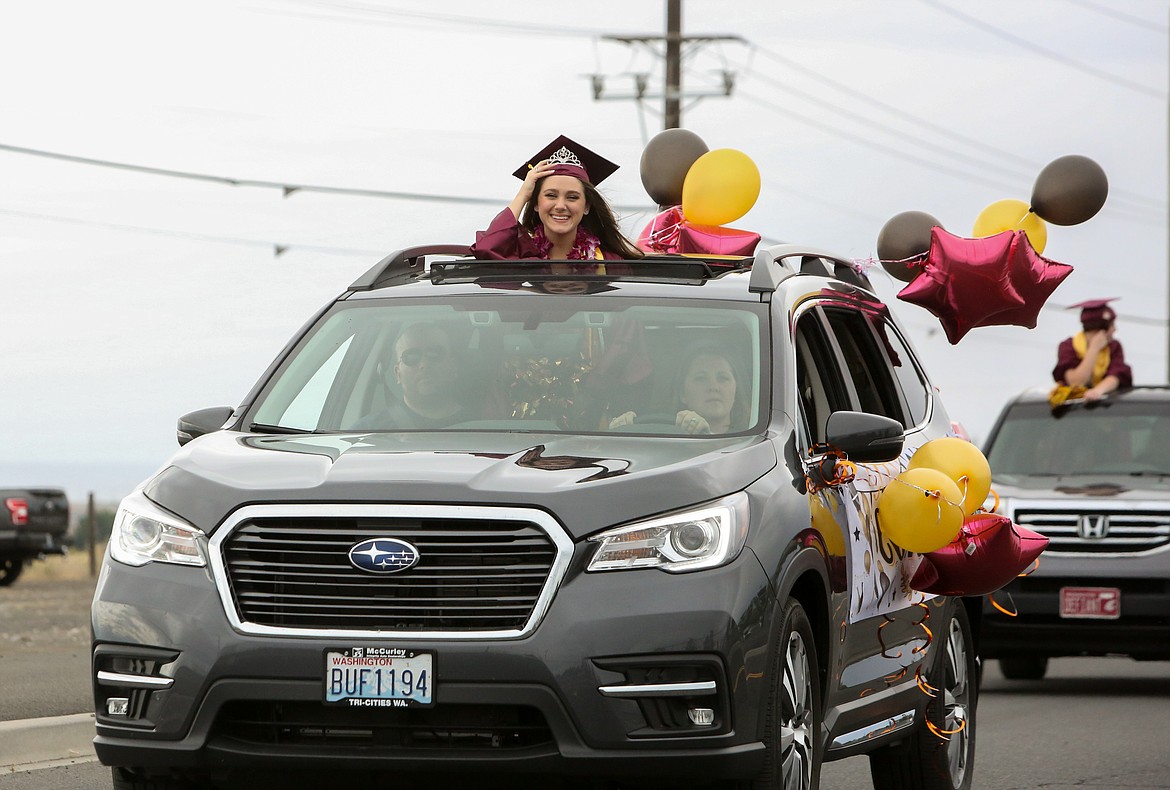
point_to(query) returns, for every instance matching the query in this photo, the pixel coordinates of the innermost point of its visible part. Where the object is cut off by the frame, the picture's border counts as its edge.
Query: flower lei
(584, 245)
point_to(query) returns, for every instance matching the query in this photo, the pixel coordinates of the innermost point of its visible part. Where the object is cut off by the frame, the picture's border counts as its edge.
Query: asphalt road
(44, 648)
(1092, 724)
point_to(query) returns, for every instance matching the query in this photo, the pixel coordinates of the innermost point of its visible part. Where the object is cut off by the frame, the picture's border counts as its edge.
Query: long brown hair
(600, 221)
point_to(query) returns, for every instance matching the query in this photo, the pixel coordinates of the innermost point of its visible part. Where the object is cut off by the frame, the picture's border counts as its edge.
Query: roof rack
(770, 267)
(775, 264)
(404, 265)
(408, 265)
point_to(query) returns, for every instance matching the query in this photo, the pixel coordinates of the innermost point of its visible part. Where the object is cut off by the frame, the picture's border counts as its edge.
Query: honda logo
(1093, 526)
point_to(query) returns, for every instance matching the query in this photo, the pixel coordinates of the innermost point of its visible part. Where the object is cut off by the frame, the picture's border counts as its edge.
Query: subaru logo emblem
(382, 555)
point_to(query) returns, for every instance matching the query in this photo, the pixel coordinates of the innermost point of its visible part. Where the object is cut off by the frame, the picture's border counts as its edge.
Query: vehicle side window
(866, 362)
(819, 383)
(914, 387)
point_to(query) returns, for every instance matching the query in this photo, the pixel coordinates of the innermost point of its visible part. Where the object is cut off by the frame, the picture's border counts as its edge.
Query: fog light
(701, 717)
(118, 706)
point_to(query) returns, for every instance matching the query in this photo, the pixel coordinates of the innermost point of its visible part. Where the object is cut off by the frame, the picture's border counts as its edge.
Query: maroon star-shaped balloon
(1034, 278)
(987, 281)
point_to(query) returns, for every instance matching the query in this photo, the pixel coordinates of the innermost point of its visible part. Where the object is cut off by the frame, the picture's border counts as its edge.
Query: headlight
(144, 533)
(689, 541)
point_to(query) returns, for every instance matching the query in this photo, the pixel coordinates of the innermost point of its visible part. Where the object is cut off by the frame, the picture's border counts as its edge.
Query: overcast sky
(130, 298)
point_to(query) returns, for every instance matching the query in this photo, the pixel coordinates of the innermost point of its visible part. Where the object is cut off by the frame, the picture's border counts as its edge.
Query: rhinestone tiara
(563, 156)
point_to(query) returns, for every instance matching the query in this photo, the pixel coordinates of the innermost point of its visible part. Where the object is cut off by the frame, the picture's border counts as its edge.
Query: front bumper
(20, 543)
(1141, 630)
(204, 696)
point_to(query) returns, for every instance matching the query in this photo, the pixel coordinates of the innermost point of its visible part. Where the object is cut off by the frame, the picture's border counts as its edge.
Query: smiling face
(709, 389)
(560, 204)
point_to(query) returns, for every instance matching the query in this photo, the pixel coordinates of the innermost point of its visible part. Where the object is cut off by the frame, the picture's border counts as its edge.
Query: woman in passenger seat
(708, 395)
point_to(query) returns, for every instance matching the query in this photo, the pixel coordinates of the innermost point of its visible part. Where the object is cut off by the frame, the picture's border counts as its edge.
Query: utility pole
(670, 48)
(673, 63)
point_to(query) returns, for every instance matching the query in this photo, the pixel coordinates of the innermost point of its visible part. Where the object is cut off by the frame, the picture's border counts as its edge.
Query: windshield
(538, 363)
(1114, 437)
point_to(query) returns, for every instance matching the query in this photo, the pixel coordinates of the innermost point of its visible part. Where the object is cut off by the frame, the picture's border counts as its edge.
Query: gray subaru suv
(1095, 479)
(484, 523)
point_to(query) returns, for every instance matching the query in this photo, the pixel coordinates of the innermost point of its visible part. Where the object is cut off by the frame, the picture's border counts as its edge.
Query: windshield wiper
(259, 427)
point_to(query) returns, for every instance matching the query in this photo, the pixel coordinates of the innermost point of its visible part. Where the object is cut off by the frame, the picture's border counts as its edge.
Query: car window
(867, 359)
(1119, 437)
(522, 362)
(912, 384)
(820, 385)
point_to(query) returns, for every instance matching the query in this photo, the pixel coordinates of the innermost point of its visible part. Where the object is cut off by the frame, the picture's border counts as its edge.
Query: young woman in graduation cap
(1091, 364)
(558, 214)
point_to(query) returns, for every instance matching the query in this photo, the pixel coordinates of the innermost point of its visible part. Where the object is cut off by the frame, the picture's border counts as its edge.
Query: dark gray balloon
(1069, 190)
(904, 236)
(665, 162)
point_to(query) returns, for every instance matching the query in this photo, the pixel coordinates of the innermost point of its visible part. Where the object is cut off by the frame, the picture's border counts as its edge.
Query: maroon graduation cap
(570, 159)
(1096, 313)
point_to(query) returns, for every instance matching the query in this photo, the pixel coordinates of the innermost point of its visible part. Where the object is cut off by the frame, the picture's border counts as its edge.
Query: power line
(916, 140)
(1144, 24)
(383, 15)
(947, 132)
(278, 248)
(1118, 197)
(1035, 48)
(1025, 168)
(286, 188)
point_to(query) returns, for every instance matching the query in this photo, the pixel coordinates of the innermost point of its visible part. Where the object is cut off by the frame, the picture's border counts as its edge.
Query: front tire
(10, 568)
(792, 730)
(130, 779)
(942, 758)
(1024, 667)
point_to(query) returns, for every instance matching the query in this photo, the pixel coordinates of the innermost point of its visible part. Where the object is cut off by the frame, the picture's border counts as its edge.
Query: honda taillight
(18, 509)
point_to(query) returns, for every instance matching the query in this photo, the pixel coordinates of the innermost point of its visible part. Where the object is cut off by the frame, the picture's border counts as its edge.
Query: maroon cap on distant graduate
(1096, 313)
(570, 159)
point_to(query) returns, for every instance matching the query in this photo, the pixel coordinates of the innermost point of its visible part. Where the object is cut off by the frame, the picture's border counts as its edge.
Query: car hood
(588, 483)
(1080, 486)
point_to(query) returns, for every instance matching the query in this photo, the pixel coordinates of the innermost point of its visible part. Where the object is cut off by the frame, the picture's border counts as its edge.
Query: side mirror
(196, 423)
(866, 438)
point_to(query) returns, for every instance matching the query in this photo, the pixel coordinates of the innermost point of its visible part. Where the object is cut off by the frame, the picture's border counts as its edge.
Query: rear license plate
(1098, 603)
(379, 677)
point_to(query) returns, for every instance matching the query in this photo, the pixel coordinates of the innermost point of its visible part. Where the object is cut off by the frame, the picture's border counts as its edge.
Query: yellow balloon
(963, 463)
(825, 515)
(721, 186)
(919, 510)
(1011, 214)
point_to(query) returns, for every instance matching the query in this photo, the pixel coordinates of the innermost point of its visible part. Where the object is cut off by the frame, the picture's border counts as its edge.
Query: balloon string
(922, 624)
(665, 238)
(995, 503)
(843, 472)
(882, 642)
(945, 734)
(923, 686)
(932, 493)
(918, 258)
(1000, 608)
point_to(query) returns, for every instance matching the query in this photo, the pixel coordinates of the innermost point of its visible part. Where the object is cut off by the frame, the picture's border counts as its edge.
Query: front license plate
(379, 677)
(1098, 603)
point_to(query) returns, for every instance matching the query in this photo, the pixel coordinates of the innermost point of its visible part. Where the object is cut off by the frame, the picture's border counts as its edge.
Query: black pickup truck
(33, 522)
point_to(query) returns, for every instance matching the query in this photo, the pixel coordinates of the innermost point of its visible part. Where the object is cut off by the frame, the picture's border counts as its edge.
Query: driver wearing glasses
(425, 370)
